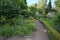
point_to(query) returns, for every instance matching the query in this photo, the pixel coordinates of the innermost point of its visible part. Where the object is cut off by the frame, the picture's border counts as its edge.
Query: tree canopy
(11, 8)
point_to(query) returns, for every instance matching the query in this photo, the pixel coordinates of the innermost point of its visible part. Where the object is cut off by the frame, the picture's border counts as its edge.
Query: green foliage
(58, 8)
(33, 10)
(51, 35)
(57, 18)
(54, 23)
(57, 5)
(11, 21)
(54, 35)
(26, 13)
(49, 7)
(10, 9)
(21, 27)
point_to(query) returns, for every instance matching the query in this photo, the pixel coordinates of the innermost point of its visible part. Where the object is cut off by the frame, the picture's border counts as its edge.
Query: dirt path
(39, 34)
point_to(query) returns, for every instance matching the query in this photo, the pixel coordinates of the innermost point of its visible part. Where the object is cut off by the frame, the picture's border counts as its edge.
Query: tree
(11, 9)
(58, 5)
(49, 7)
(33, 9)
(58, 12)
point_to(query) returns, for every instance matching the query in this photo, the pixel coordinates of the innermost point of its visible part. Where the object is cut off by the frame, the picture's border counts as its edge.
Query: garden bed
(21, 27)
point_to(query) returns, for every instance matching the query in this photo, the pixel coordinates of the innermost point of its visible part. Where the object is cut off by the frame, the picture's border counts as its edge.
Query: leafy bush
(26, 13)
(10, 9)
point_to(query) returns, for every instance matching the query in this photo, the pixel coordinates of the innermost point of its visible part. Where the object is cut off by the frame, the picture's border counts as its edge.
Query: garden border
(56, 34)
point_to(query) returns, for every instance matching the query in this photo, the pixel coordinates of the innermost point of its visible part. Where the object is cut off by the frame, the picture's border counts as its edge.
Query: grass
(21, 27)
(54, 35)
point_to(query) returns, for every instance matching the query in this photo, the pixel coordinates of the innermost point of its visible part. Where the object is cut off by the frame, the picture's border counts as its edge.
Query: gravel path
(39, 34)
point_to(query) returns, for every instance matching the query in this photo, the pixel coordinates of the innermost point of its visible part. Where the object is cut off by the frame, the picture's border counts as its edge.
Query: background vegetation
(15, 18)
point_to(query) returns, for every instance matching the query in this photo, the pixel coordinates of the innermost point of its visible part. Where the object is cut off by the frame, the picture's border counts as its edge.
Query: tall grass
(21, 27)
